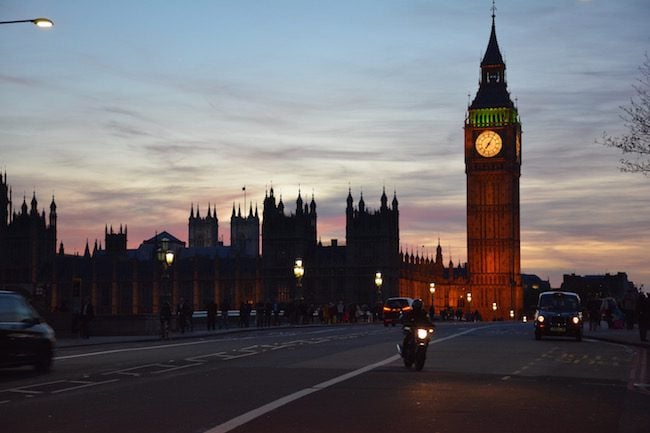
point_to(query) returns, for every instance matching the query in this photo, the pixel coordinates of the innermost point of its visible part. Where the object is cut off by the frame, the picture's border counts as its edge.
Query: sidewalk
(629, 337)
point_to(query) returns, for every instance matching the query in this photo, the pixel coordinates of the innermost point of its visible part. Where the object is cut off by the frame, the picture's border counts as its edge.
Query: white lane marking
(136, 349)
(83, 385)
(256, 413)
(191, 343)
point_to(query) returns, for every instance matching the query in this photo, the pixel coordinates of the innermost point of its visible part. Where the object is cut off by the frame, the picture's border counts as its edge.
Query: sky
(131, 112)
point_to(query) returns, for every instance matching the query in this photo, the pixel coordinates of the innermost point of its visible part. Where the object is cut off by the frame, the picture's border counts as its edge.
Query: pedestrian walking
(180, 317)
(188, 313)
(643, 315)
(225, 307)
(212, 315)
(165, 320)
(86, 315)
(594, 314)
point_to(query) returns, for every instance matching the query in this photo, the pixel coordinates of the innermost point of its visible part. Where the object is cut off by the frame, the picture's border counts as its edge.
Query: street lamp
(298, 272)
(166, 257)
(432, 290)
(44, 23)
(378, 282)
(494, 310)
(469, 304)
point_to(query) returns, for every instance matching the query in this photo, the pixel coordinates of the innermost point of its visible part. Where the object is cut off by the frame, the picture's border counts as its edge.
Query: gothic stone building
(123, 281)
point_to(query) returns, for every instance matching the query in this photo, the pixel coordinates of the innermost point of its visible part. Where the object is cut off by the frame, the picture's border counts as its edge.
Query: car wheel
(43, 363)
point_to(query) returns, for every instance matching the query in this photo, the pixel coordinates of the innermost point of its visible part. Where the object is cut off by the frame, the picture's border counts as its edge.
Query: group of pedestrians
(639, 312)
(184, 317)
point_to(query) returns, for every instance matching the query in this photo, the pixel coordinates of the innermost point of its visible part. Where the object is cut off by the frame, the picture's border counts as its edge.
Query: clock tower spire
(493, 168)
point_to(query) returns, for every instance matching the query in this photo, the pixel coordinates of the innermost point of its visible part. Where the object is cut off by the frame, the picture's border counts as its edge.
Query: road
(490, 377)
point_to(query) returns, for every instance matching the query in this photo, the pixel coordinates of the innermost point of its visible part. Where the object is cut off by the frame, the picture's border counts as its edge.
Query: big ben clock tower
(493, 167)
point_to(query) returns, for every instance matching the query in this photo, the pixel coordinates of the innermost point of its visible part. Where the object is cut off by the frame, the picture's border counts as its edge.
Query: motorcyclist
(417, 316)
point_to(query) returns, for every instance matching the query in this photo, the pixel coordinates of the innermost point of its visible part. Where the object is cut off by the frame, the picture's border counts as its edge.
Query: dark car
(25, 339)
(393, 309)
(558, 314)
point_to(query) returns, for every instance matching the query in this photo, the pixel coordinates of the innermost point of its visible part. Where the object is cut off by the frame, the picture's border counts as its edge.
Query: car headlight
(540, 318)
(575, 320)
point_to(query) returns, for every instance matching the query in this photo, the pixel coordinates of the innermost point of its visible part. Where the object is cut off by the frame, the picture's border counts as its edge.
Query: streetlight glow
(298, 269)
(43, 23)
(378, 280)
(298, 272)
(169, 258)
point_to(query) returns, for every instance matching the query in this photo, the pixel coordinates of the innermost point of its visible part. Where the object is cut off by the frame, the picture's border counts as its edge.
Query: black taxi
(558, 313)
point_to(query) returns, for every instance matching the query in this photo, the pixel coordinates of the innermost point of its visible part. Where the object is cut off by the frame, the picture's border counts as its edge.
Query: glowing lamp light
(169, 258)
(378, 279)
(44, 23)
(298, 269)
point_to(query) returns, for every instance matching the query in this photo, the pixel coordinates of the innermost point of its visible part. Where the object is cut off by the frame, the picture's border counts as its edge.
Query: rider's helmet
(417, 304)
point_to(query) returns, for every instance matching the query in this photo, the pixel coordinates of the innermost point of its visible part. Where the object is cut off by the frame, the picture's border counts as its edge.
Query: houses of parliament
(121, 281)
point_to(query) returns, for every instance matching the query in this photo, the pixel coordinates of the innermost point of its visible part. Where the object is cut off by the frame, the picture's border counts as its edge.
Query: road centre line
(282, 401)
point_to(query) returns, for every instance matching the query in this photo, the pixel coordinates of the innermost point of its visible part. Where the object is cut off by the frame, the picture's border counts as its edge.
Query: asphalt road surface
(490, 377)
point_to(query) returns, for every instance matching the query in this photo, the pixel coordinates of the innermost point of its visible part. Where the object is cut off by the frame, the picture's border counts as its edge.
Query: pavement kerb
(627, 337)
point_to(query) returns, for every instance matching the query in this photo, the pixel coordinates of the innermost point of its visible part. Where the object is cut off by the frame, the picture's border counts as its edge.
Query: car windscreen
(14, 309)
(559, 302)
(397, 303)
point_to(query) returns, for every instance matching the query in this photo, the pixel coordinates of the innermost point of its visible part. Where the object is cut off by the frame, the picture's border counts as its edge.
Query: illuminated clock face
(488, 144)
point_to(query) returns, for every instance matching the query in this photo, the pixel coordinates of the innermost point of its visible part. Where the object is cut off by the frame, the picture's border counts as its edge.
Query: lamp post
(494, 311)
(432, 290)
(298, 272)
(469, 304)
(378, 282)
(44, 23)
(166, 258)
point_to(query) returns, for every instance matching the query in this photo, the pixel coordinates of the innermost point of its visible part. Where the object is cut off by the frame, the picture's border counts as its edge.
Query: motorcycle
(415, 346)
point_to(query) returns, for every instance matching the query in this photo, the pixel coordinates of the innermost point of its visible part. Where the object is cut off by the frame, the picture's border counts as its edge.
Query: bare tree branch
(636, 118)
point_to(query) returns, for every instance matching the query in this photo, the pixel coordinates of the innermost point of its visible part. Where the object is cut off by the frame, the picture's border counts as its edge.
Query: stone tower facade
(203, 232)
(493, 168)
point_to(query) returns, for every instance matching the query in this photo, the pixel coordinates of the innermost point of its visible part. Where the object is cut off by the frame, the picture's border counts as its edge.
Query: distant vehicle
(25, 339)
(558, 314)
(393, 309)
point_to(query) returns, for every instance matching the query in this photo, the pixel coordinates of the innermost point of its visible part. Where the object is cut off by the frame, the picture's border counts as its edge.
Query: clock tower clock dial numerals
(488, 144)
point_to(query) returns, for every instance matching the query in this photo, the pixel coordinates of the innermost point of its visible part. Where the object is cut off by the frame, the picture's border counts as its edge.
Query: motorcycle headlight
(575, 320)
(540, 318)
(422, 333)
